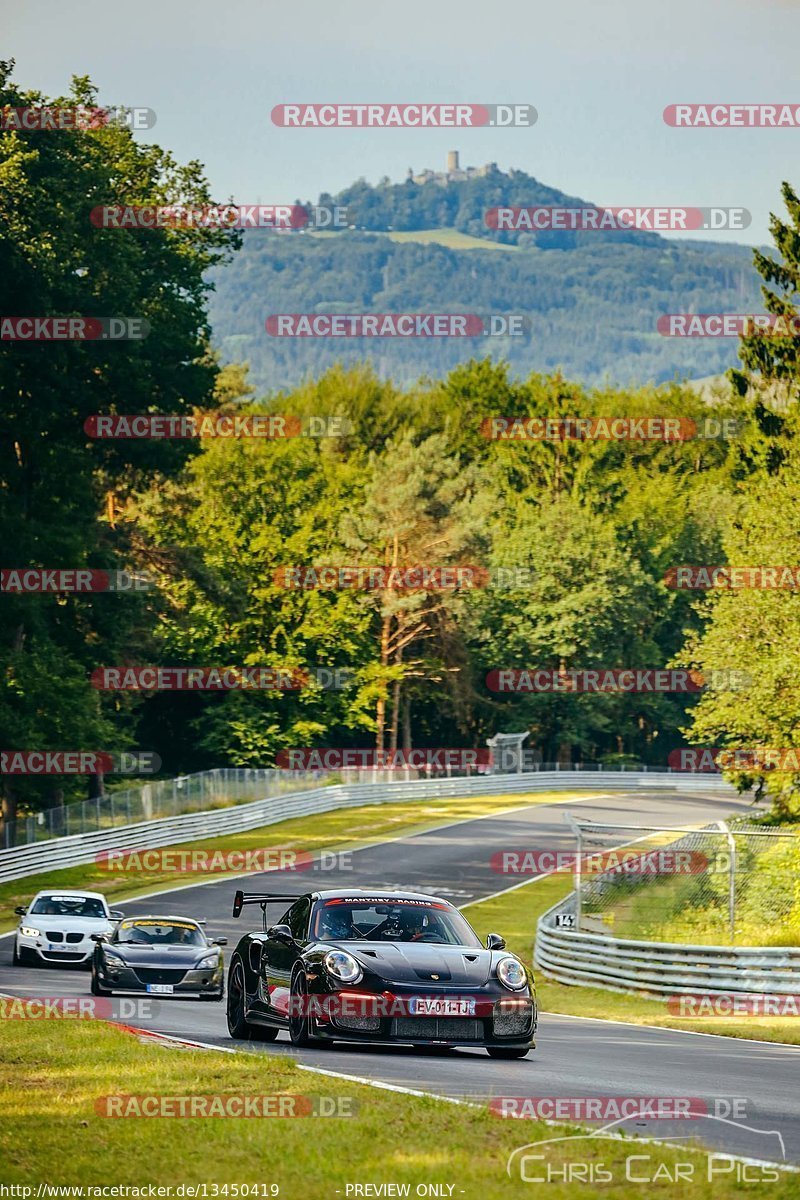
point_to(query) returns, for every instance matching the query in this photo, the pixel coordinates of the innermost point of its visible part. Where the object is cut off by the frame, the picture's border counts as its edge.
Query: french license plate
(161, 989)
(442, 1006)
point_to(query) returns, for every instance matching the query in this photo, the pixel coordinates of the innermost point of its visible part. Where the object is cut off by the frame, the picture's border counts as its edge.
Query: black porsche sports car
(162, 956)
(378, 967)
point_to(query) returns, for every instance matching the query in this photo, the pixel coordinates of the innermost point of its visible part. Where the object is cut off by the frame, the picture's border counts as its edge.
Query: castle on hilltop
(453, 172)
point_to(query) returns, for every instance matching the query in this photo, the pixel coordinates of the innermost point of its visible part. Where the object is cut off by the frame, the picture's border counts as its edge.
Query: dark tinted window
(297, 919)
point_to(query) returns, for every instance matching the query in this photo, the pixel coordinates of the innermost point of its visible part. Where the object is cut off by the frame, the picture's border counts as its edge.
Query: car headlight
(208, 963)
(28, 931)
(111, 960)
(511, 974)
(342, 966)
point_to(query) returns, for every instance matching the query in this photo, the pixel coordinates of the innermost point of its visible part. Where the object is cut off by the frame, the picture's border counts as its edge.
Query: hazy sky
(599, 73)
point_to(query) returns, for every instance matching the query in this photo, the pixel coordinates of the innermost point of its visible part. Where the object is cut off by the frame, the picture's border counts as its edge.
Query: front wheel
(300, 1022)
(94, 986)
(238, 1025)
(505, 1052)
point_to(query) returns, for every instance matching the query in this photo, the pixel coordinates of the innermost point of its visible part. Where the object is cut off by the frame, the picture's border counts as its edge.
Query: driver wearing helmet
(412, 925)
(337, 923)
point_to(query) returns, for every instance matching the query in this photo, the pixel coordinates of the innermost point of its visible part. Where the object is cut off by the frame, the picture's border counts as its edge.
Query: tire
(238, 1025)
(16, 961)
(300, 1027)
(94, 986)
(24, 957)
(506, 1052)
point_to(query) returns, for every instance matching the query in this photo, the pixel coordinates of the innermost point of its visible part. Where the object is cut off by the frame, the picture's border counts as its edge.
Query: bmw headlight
(208, 963)
(28, 931)
(511, 974)
(342, 966)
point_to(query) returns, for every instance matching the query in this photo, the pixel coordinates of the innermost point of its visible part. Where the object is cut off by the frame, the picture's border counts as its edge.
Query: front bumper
(188, 985)
(56, 953)
(498, 1021)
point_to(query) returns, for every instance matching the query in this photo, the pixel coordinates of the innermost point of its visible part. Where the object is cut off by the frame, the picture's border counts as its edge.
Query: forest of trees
(410, 479)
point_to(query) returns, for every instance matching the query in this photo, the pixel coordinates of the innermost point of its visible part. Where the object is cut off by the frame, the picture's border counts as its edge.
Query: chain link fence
(735, 882)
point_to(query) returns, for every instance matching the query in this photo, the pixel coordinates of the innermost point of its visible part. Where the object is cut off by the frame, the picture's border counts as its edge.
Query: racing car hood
(145, 956)
(410, 962)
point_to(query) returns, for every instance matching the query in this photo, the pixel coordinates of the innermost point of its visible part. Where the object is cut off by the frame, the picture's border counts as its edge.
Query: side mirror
(219, 942)
(280, 933)
(495, 942)
(99, 937)
(116, 914)
(20, 910)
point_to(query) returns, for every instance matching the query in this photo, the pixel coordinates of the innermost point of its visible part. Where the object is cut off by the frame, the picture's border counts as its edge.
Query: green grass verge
(694, 908)
(52, 1074)
(515, 915)
(338, 830)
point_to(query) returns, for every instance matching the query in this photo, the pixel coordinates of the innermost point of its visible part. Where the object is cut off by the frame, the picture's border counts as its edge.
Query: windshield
(69, 906)
(391, 921)
(158, 933)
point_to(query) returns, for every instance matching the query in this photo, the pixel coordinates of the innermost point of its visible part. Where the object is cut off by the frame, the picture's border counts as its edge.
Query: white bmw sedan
(57, 927)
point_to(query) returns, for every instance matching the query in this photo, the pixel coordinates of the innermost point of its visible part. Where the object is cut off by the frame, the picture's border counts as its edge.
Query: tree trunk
(97, 786)
(380, 712)
(9, 815)
(406, 708)
(395, 715)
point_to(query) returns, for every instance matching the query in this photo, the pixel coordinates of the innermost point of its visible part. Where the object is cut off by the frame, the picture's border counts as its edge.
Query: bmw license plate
(442, 1006)
(161, 989)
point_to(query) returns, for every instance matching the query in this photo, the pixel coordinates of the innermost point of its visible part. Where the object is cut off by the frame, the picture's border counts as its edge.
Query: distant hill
(593, 299)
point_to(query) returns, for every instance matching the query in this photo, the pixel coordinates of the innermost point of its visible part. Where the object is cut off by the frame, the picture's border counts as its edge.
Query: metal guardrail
(221, 788)
(21, 861)
(659, 968)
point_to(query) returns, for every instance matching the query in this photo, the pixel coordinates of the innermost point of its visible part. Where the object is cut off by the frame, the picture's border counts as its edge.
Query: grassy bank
(53, 1073)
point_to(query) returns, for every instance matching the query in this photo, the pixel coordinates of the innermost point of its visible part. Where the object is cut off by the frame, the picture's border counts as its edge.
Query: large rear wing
(262, 899)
